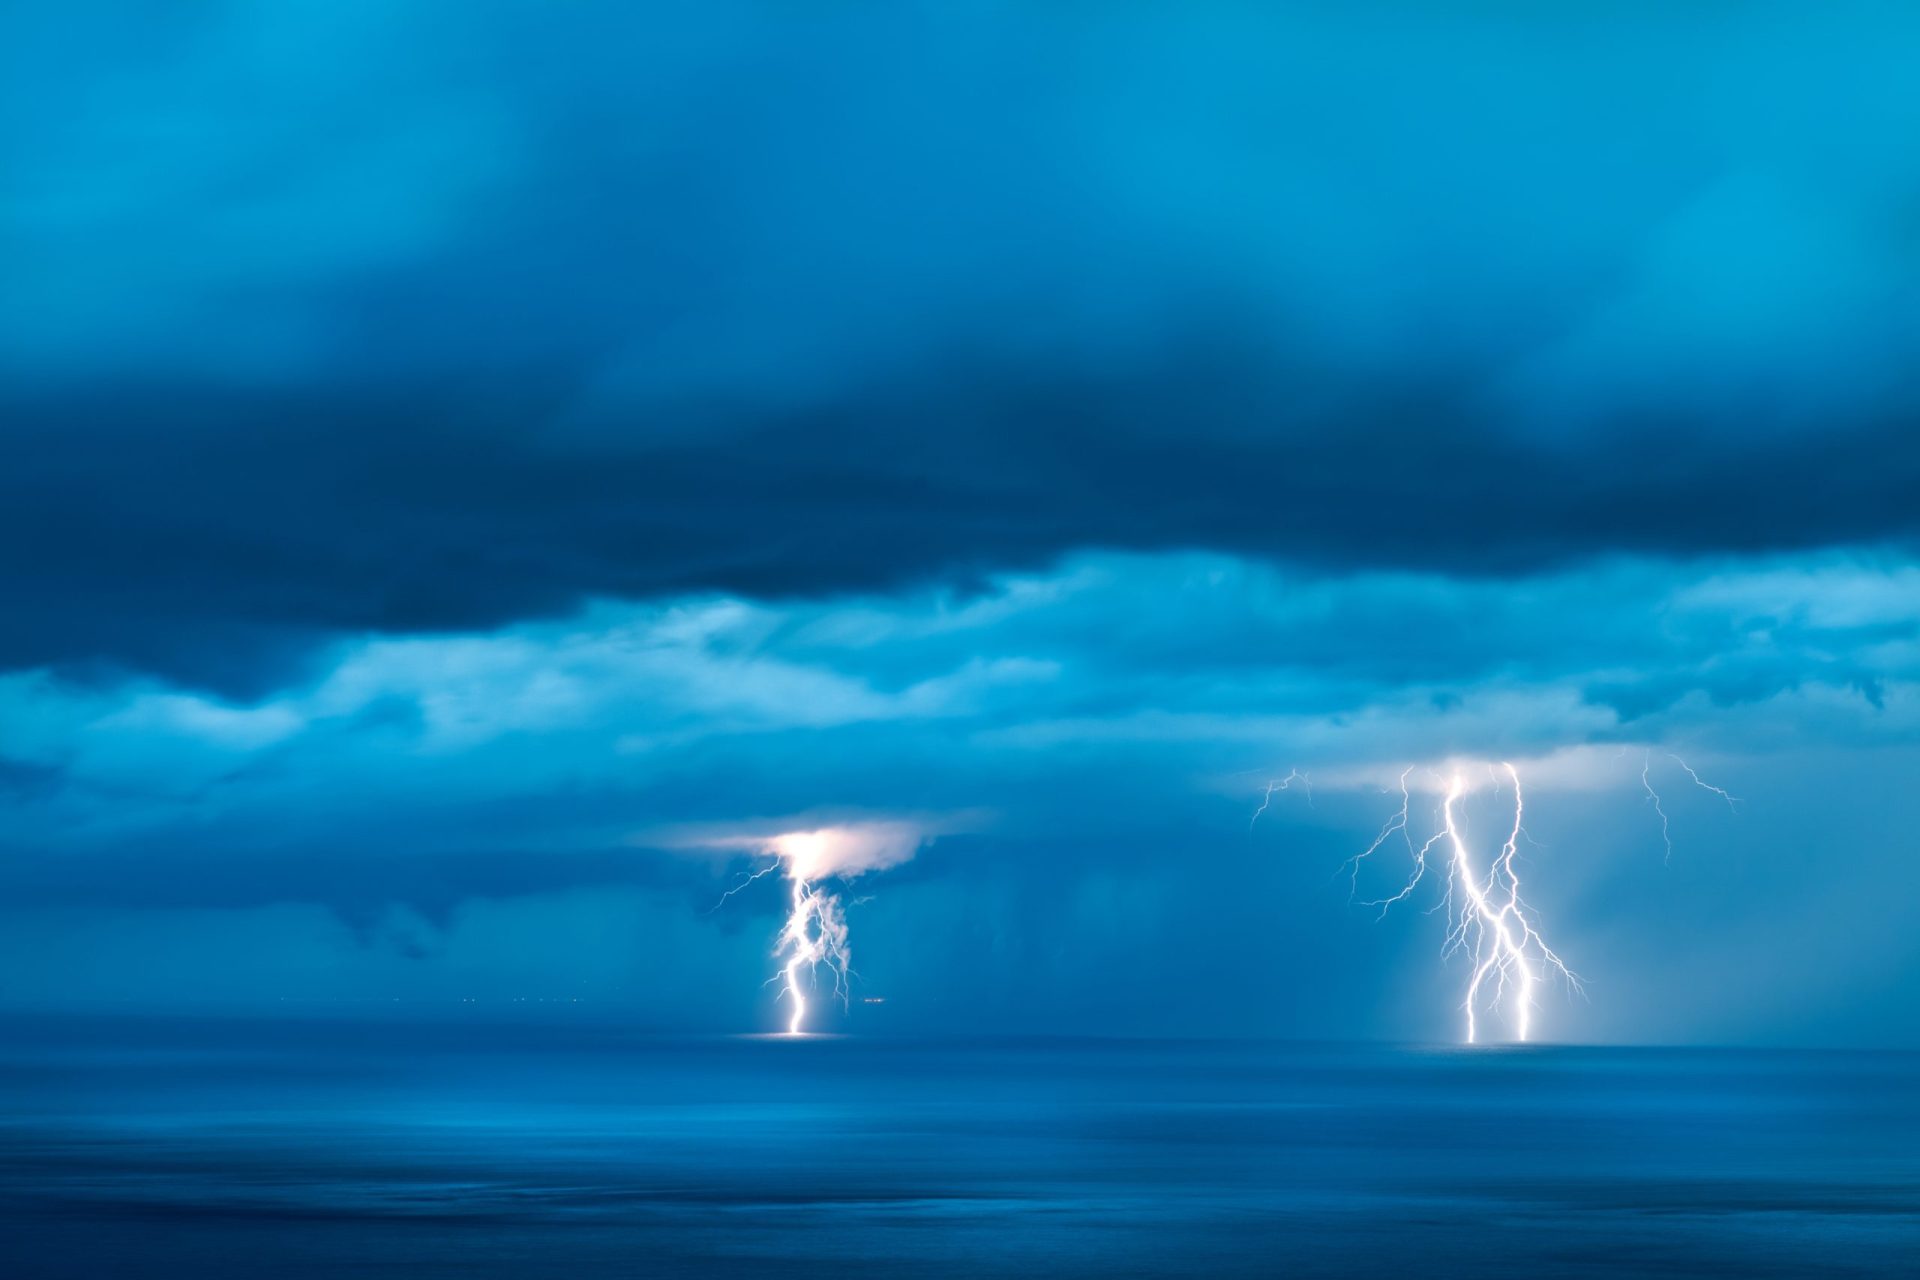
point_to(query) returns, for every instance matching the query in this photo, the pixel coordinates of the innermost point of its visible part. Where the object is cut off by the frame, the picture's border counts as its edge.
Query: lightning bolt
(1653, 797)
(1488, 920)
(767, 870)
(1659, 807)
(1733, 801)
(1492, 922)
(1397, 823)
(1273, 788)
(815, 934)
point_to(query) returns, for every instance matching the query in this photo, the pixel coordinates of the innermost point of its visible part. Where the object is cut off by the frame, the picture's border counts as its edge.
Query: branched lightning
(1733, 801)
(815, 931)
(767, 870)
(815, 934)
(1282, 784)
(1488, 918)
(1397, 823)
(1492, 923)
(1489, 921)
(1654, 798)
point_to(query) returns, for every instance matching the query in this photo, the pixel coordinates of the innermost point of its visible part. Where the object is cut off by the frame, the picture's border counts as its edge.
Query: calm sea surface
(567, 1147)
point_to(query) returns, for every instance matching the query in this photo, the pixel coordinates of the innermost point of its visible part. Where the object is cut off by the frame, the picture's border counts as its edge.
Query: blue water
(567, 1146)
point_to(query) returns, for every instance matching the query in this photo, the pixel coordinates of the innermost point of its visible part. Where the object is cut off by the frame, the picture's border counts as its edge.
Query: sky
(477, 478)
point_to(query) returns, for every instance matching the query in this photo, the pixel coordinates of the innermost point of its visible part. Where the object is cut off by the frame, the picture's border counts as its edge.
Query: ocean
(557, 1143)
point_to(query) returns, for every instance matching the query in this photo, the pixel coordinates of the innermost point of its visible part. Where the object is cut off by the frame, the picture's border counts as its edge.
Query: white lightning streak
(1733, 801)
(815, 934)
(1488, 919)
(1292, 777)
(1666, 830)
(767, 870)
(1398, 822)
(1653, 796)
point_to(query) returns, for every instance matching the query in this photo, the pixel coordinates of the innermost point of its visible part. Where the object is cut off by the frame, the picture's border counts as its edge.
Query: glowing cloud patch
(844, 851)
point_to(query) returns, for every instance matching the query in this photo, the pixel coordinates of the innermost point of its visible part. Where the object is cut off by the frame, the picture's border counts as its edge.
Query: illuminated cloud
(845, 851)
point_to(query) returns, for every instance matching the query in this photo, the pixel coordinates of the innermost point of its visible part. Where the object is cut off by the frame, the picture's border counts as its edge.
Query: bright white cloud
(845, 850)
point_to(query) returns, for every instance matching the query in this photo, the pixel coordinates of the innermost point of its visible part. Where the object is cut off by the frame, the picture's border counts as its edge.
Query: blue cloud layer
(361, 316)
(1086, 748)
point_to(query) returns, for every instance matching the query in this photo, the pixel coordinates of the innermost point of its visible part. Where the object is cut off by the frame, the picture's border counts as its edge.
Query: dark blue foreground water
(564, 1146)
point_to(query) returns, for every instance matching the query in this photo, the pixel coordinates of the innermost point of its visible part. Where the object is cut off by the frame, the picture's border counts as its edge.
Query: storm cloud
(402, 319)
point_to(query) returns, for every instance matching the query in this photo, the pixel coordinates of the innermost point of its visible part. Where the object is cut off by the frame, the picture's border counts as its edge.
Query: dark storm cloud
(351, 515)
(354, 317)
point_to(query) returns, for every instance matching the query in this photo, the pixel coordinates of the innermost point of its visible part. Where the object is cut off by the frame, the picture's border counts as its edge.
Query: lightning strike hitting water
(1488, 919)
(815, 932)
